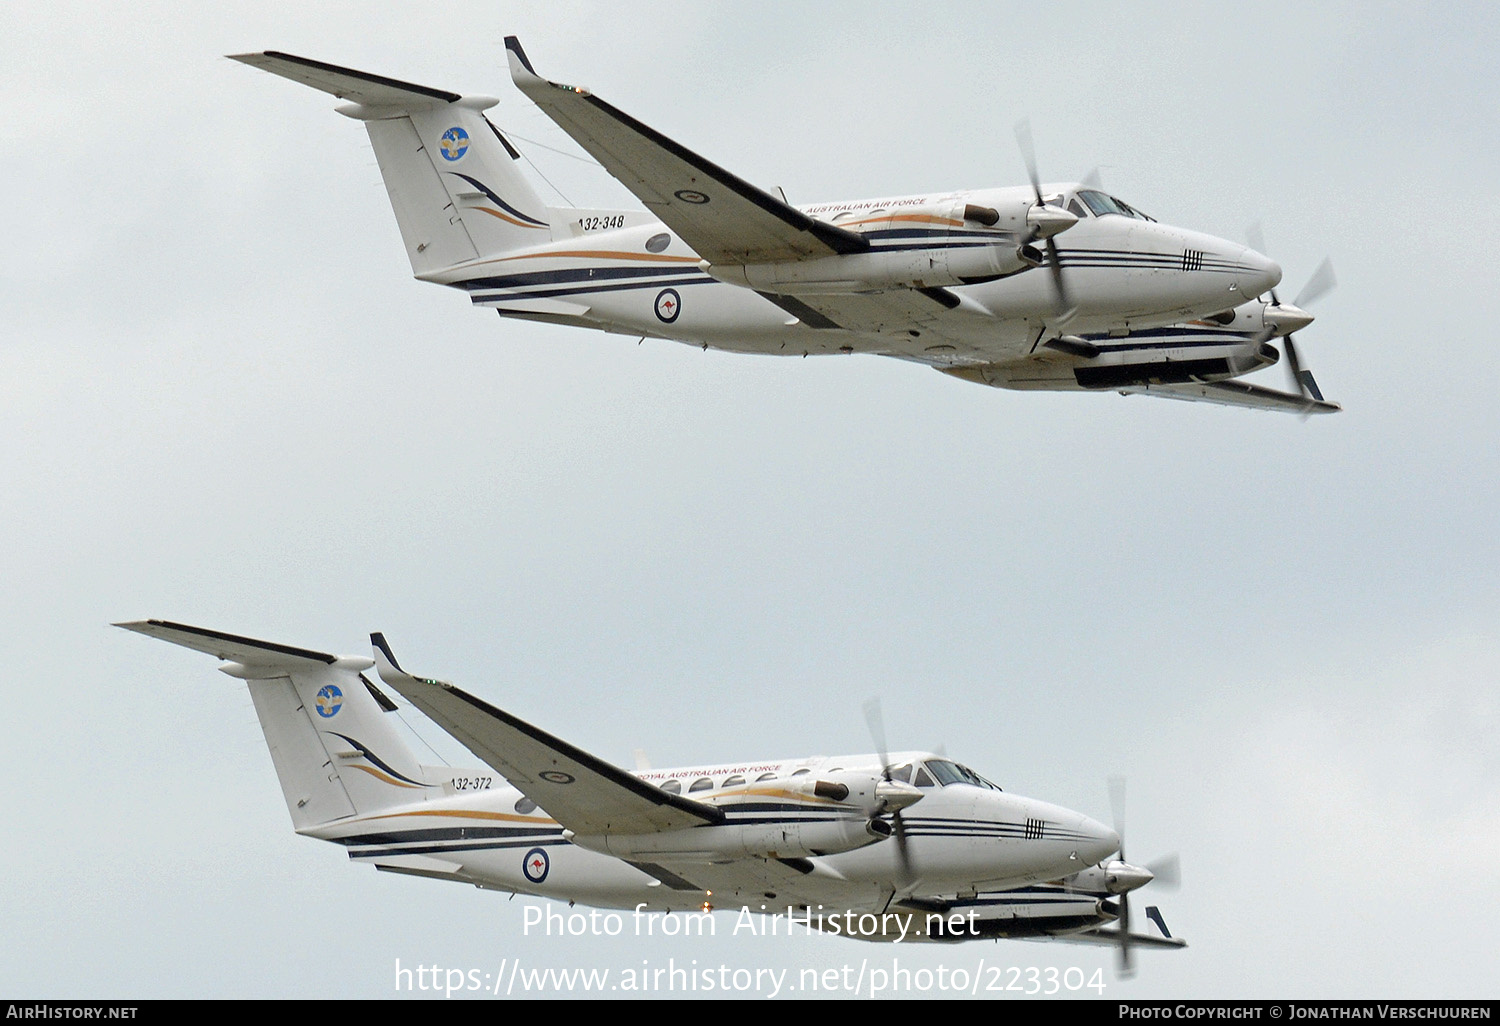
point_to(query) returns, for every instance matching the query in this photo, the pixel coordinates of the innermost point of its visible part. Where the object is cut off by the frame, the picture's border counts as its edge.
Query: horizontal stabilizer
(346, 83)
(246, 651)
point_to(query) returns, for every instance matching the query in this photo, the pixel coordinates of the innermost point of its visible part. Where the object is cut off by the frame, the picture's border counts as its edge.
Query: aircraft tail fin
(336, 753)
(453, 179)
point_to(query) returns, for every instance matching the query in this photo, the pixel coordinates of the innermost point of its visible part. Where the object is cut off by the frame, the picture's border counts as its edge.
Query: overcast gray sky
(226, 402)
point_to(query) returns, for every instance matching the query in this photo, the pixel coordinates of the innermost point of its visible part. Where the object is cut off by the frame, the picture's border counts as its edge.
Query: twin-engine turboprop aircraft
(1057, 287)
(905, 846)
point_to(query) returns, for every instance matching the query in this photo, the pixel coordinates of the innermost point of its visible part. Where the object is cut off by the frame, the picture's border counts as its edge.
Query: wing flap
(581, 791)
(721, 216)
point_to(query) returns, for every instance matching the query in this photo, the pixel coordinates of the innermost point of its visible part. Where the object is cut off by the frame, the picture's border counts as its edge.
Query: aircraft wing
(937, 327)
(723, 217)
(1237, 393)
(740, 882)
(1111, 938)
(582, 792)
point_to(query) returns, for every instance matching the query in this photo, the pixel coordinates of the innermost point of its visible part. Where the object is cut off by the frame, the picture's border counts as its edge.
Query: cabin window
(701, 784)
(734, 781)
(764, 777)
(672, 786)
(525, 806)
(804, 771)
(658, 243)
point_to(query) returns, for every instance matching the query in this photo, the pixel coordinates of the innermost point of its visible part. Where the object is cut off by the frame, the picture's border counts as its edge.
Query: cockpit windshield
(1101, 204)
(953, 773)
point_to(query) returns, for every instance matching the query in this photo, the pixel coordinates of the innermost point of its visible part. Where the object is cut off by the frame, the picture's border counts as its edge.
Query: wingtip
(517, 55)
(383, 651)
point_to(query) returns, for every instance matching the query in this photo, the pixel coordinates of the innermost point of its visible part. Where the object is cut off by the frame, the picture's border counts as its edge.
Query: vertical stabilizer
(453, 179)
(336, 753)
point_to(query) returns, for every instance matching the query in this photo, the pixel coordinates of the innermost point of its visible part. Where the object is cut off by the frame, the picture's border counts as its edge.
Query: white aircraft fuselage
(912, 833)
(1126, 274)
(1054, 287)
(962, 838)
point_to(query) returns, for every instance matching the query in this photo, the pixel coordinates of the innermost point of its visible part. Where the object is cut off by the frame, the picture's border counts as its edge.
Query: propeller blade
(1257, 240)
(905, 874)
(1028, 153)
(1063, 307)
(876, 723)
(1255, 237)
(1117, 808)
(1126, 963)
(1167, 871)
(1321, 282)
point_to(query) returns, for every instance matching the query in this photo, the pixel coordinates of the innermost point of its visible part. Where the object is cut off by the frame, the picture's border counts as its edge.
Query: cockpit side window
(902, 773)
(923, 778)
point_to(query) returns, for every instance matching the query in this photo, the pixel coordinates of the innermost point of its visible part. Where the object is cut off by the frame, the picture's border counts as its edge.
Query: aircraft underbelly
(901, 323)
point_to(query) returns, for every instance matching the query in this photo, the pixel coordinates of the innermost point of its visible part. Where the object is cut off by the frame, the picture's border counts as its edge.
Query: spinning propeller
(1122, 877)
(892, 796)
(1287, 319)
(1046, 221)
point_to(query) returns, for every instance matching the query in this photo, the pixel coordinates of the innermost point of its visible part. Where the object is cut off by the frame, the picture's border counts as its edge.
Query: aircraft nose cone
(1258, 273)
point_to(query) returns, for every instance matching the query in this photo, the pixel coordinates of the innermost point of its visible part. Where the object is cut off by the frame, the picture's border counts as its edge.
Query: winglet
(525, 76)
(390, 671)
(385, 659)
(517, 57)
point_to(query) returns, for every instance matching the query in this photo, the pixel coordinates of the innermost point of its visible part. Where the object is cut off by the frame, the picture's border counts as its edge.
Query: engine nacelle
(841, 810)
(861, 272)
(982, 243)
